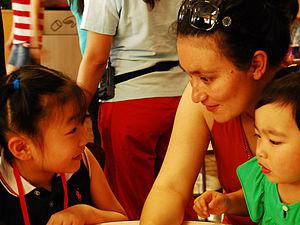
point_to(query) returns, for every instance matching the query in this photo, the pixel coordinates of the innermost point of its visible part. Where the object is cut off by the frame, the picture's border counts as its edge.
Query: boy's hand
(69, 216)
(211, 202)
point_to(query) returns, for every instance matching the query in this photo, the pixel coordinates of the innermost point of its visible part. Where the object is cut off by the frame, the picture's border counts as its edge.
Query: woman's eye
(205, 79)
(275, 142)
(257, 135)
(72, 131)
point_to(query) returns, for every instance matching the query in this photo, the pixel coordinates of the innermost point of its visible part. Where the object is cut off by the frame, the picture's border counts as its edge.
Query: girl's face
(278, 143)
(224, 90)
(64, 140)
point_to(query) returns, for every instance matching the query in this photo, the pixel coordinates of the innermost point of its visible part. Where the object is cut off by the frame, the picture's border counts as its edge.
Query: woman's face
(223, 89)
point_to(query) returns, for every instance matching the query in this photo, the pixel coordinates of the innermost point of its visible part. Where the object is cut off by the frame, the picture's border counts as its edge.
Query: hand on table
(69, 216)
(211, 202)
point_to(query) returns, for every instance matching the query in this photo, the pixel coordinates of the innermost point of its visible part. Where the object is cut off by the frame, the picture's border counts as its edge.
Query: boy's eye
(275, 142)
(72, 131)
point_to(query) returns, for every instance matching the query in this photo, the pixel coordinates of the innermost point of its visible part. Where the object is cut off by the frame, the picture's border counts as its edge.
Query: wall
(7, 25)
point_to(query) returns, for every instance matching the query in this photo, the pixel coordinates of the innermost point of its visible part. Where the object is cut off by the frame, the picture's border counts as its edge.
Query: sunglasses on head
(203, 14)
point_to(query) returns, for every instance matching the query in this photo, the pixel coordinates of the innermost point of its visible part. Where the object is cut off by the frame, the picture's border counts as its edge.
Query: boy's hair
(284, 91)
(30, 95)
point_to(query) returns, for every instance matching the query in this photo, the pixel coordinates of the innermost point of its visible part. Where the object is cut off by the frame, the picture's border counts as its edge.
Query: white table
(137, 223)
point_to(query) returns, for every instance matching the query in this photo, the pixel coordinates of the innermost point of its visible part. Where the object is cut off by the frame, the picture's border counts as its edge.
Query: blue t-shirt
(81, 33)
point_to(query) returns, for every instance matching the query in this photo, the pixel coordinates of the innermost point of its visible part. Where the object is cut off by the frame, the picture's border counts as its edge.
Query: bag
(109, 80)
(106, 90)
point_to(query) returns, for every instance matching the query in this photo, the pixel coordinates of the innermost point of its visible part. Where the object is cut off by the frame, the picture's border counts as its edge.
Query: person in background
(26, 35)
(47, 174)
(136, 124)
(77, 7)
(271, 191)
(2, 53)
(230, 56)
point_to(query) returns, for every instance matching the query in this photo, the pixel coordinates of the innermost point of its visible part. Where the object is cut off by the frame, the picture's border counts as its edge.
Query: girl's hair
(284, 91)
(254, 25)
(80, 4)
(30, 95)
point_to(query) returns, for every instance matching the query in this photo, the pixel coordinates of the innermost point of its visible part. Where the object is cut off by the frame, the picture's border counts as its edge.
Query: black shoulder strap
(294, 68)
(160, 66)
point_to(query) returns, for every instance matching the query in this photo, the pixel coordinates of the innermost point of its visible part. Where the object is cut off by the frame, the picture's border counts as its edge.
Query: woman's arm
(94, 62)
(173, 187)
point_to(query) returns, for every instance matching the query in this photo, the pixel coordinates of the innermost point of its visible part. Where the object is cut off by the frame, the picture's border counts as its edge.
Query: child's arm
(106, 206)
(212, 202)
(102, 195)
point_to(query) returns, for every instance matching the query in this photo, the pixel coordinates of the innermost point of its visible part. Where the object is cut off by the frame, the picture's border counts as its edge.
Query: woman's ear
(259, 64)
(19, 147)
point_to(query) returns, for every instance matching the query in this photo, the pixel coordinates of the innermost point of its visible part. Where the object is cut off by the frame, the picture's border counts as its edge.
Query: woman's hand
(211, 202)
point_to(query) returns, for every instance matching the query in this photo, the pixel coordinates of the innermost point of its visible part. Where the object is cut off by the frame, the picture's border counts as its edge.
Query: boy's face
(278, 143)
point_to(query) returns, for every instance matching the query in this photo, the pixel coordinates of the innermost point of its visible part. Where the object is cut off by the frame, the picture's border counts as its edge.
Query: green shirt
(262, 197)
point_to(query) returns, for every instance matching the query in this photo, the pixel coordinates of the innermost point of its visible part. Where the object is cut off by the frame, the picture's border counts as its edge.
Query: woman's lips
(211, 108)
(264, 169)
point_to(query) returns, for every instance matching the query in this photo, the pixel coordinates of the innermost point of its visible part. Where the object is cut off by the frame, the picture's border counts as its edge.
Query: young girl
(271, 180)
(47, 174)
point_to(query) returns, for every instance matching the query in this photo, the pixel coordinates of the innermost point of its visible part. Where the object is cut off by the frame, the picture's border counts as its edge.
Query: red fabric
(230, 146)
(135, 135)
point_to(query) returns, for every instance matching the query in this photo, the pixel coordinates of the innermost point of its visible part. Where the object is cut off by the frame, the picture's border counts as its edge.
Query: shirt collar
(8, 180)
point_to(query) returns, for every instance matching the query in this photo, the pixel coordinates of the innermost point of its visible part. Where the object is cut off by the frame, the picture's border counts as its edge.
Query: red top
(231, 149)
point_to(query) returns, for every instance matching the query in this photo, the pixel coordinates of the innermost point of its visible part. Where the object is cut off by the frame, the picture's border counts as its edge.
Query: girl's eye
(275, 142)
(72, 131)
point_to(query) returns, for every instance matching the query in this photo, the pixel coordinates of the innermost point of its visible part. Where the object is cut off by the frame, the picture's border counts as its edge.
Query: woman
(231, 50)
(76, 7)
(135, 125)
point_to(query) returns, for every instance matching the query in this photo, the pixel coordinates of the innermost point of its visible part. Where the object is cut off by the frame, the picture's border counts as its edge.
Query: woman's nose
(198, 92)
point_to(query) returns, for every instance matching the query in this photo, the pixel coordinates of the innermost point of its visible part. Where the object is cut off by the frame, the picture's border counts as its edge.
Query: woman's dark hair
(284, 91)
(255, 25)
(151, 3)
(29, 95)
(79, 5)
